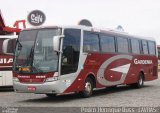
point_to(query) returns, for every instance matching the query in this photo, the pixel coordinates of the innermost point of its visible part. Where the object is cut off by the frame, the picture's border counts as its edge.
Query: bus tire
(140, 81)
(88, 88)
(51, 95)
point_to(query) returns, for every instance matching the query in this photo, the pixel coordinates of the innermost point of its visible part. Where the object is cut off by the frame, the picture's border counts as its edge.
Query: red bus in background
(65, 59)
(8, 36)
(6, 60)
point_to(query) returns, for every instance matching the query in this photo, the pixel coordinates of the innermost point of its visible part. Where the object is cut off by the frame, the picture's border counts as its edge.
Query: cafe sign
(36, 18)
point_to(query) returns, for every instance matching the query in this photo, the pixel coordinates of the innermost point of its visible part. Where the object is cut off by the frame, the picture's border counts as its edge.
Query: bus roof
(8, 36)
(101, 30)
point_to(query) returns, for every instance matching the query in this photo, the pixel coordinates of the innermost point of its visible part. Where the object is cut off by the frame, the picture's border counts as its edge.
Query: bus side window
(90, 42)
(152, 48)
(11, 45)
(122, 45)
(145, 47)
(135, 45)
(1, 44)
(107, 43)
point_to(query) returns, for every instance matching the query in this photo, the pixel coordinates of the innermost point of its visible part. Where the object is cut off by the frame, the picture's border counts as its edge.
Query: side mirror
(8, 46)
(56, 42)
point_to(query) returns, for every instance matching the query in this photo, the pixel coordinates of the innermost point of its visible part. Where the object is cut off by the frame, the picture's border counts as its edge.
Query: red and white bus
(6, 60)
(67, 59)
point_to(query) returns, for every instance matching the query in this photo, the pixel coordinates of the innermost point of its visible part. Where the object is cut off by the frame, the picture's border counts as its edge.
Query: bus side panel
(90, 67)
(148, 69)
(8, 78)
(1, 78)
(116, 68)
(78, 84)
(6, 70)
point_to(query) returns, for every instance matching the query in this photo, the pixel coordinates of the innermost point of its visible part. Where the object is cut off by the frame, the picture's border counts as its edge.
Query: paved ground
(122, 96)
(149, 95)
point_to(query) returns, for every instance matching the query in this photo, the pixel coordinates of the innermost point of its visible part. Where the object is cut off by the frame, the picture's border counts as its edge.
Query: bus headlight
(15, 79)
(51, 79)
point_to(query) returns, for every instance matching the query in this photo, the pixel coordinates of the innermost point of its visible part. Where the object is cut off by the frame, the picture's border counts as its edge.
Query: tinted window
(135, 46)
(122, 44)
(1, 44)
(90, 42)
(107, 43)
(144, 47)
(11, 46)
(151, 48)
(71, 49)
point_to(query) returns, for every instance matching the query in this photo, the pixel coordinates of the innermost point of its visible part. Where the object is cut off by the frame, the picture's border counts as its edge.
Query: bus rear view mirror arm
(56, 43)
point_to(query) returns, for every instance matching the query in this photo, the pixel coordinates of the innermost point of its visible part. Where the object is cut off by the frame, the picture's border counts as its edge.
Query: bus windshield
(34, 51)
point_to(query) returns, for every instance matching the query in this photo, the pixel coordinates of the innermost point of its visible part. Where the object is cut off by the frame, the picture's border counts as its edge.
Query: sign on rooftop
(85, 22)
(36, 18)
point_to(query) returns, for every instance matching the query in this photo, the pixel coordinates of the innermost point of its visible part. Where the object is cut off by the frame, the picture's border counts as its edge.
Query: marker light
(51, 79)
(24, 69)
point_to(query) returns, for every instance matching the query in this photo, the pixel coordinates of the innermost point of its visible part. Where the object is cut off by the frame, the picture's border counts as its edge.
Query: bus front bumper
(55, 87)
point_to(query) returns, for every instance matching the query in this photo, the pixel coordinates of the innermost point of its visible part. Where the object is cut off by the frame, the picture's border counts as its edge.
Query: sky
(137, 17)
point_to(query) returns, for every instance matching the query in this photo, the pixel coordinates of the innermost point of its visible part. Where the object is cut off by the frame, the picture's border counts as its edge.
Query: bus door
(71, 51)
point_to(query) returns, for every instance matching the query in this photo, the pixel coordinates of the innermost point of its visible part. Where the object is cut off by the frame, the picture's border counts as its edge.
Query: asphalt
(122, 96)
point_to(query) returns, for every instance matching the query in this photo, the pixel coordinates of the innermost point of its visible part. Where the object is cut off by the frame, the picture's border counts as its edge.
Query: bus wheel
(140, 81)
(51, 95)
(88, 89)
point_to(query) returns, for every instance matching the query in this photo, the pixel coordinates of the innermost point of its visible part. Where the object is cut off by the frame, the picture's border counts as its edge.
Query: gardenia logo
(136, 61)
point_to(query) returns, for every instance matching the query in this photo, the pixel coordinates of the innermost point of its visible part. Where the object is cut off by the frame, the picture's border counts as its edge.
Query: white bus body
(6, 61)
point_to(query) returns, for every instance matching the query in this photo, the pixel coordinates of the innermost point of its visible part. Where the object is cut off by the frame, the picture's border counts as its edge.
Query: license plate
(31, 88)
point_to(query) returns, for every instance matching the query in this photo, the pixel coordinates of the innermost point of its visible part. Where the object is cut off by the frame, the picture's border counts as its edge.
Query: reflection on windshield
(34, 51)
(44, 56)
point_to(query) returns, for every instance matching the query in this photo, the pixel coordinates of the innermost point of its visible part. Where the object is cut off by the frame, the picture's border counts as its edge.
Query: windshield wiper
(19, 45)
(29, 60)
(19, 48)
